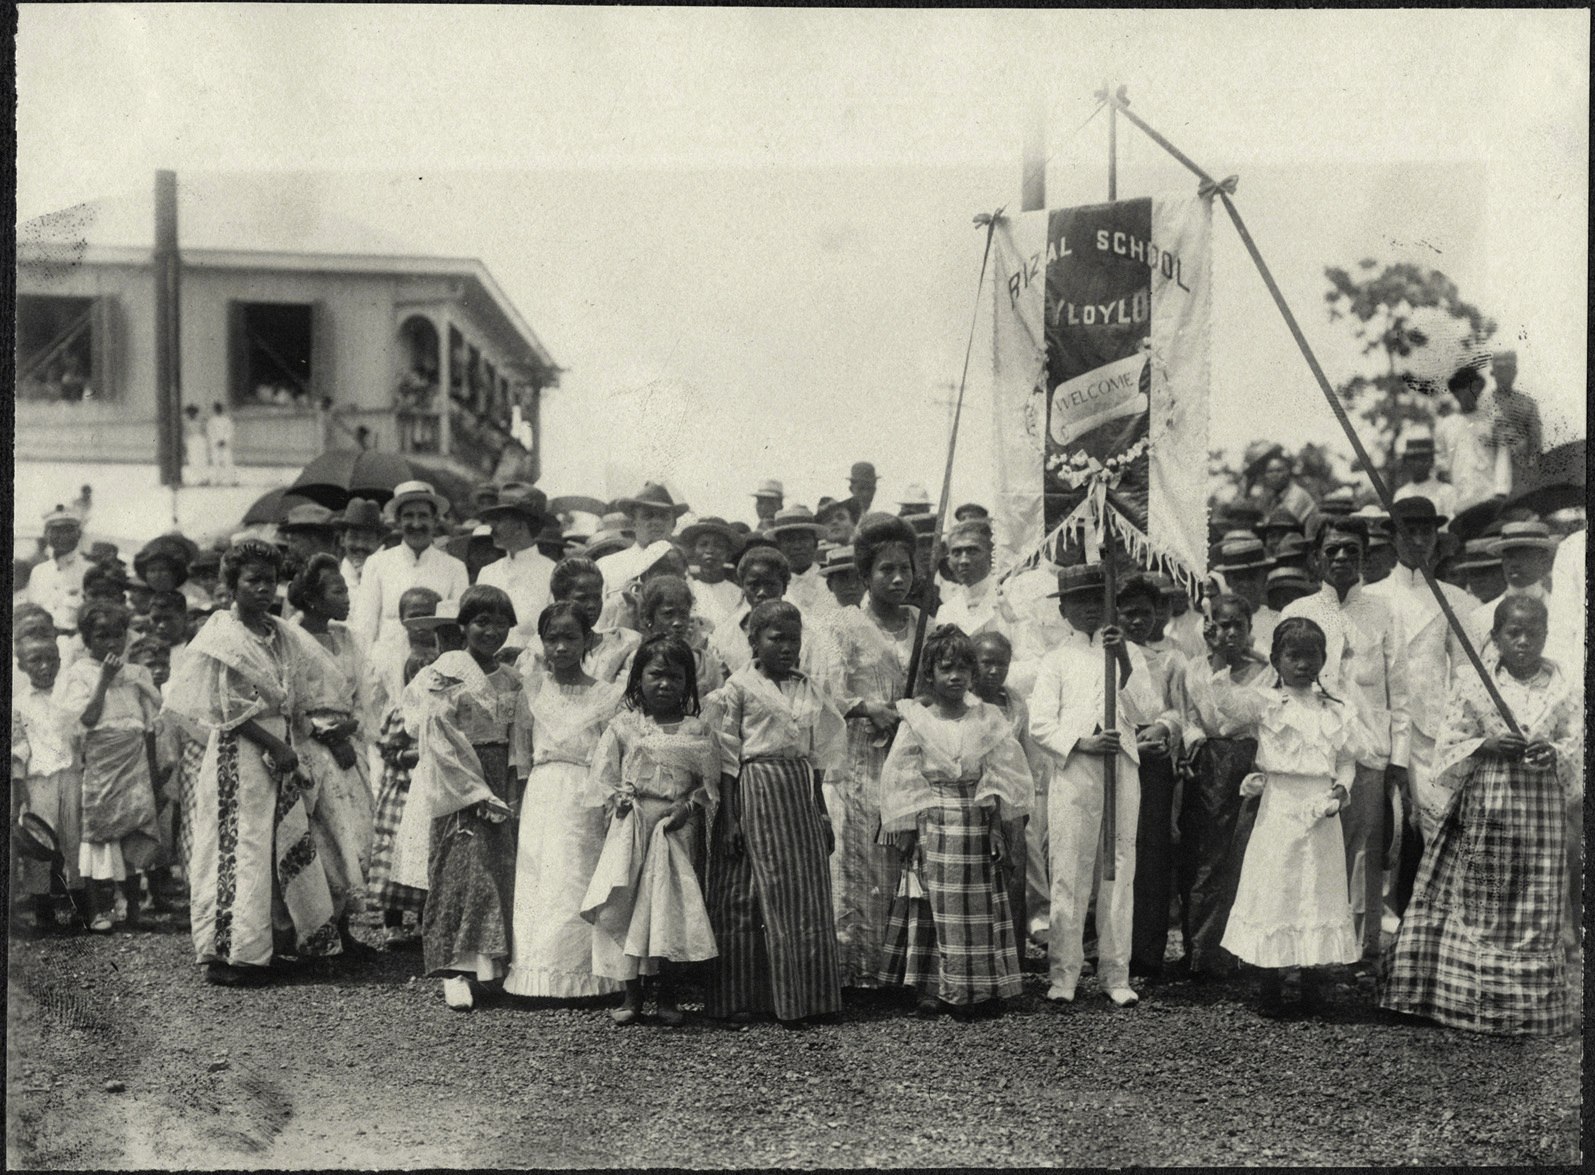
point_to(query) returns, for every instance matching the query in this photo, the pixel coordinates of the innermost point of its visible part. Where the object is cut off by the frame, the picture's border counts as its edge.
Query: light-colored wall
(358, 319)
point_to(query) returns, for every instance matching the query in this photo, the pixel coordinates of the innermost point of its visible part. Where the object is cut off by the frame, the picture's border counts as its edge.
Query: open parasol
(1558, 481)
(335, 477)
(269, 508)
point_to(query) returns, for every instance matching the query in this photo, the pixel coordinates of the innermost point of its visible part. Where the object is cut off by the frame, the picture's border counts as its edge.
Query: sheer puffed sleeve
(449, 775)
(605, 778)
(723, 713)
(1005, 775)
(1461, 734)
(904, 792)
(215, 689)
(829, 735)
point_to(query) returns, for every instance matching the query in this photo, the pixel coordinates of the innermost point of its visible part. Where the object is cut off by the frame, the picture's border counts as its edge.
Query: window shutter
(237, 357)
(322, 382)
(106, 347)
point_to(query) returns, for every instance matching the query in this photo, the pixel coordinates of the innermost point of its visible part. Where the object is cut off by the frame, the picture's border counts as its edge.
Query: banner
(1100, 347)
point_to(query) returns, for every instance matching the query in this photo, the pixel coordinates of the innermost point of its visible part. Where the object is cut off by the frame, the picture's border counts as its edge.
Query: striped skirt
(382, 890)
(957, 941)
(1480, 945)
(770, 906)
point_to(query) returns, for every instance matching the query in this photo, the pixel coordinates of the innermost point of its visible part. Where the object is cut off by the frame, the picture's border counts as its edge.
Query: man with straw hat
(523, 574)
(797, 536)
(767, 502)
(1479, 568)
(712, 547)
(57, 583)
(1527, 553)
(1431, 654)
(1417, 472)
(1243, 563)
(415, 562)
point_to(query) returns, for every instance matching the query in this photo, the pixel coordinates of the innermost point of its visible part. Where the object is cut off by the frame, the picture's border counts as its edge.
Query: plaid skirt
(1480, 946)
(956, 941)
(381, 890)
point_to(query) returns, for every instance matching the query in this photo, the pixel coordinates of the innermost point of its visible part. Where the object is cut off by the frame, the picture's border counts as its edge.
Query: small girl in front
(473, 750)
(655, 772)
(116, 703)
(1293, 907)
(954, 777)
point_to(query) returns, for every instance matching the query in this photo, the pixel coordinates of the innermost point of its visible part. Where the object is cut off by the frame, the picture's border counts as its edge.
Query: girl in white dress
(560, 835)
(1293, 906)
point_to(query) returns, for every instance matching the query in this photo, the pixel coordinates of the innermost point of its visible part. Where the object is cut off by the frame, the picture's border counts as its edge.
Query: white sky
(764, 215)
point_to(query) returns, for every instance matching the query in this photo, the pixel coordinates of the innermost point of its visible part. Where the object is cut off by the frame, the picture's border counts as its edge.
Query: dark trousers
(1215, 826)
(1154, 865)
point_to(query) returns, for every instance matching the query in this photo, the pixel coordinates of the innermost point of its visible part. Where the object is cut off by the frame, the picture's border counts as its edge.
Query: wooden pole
(1380, 488)
(168, 268)
(1110, 610)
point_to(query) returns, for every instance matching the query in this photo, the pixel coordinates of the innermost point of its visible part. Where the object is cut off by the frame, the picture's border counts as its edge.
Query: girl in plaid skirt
(1480, 947)
(954, 775)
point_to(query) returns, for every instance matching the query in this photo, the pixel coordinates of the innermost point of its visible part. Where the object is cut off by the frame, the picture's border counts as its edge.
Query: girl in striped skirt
(769, 877)
(955, 774)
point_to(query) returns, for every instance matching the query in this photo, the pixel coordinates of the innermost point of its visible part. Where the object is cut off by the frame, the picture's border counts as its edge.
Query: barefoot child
(473, 751)
(1293, 906)
(1479, 944)
(560, 835)
(769, 877)
(954, 777)
(116, 704)
(47, 771)
(654, 773)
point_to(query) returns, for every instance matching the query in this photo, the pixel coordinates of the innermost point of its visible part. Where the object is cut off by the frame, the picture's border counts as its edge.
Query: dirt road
(120, 1056)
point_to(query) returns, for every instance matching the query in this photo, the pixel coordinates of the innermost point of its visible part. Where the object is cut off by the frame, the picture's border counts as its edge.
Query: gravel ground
(121, 1057)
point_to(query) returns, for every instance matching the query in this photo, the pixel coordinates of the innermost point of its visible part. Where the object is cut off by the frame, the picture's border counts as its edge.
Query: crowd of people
(570, 763)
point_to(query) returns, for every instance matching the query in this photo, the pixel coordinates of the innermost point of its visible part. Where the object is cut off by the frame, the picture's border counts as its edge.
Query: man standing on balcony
(524, 573)
(219, 434)
(415, 562)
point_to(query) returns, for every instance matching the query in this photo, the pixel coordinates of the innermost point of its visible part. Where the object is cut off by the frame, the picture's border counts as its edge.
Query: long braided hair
(1298, 630)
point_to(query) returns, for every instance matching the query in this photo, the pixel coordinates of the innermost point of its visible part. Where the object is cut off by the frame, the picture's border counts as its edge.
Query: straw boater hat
(654, 495)
(605, 542)
(793, 518)
(1520, 535)
(836, 559)
(417, 491)
(1279, 519)
(307, 516)
(518, 500)
(1292, 548)
(769, 488)
(915, 500)
(1417, 444)
(1288, 577)
(1340, 501)
(448, 613)
(1478, 555)
(360, 514)
(1241, 551)
(712, 525)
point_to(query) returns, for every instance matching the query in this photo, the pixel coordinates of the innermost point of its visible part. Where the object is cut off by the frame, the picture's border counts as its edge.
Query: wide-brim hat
(1081, 579)
(360, 514)
(417, 491)
(770, 488)
(655, 496)
(1241, 552)
(792, 519)
(605, 542)
(1478, 554)
(529, 504)
(1260, 461)
(915, 495)
(1521, 535)
(1282, 577)
(33, 838)
(307, 516)
(832, 510)
(711, 525)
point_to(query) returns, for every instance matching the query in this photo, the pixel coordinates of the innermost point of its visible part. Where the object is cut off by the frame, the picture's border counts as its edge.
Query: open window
(275, 352)
(65, 349)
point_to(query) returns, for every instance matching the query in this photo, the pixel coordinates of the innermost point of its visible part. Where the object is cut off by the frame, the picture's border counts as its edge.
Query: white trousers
(1074, 818)
(1038, 872)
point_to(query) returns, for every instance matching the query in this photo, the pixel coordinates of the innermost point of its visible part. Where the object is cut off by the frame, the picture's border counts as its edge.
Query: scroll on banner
(1101, 380)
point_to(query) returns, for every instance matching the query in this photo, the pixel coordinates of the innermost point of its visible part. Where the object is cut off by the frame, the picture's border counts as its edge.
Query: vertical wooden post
(1110, 610)
(168, 349)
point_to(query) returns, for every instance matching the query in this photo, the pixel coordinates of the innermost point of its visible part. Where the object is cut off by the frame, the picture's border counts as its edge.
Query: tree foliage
(1385, 309)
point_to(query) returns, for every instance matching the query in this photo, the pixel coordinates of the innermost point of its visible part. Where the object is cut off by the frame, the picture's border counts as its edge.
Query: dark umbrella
(1558, 480)
(1470, 523)
(571, 502)
(333, 478)
(269, 508)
